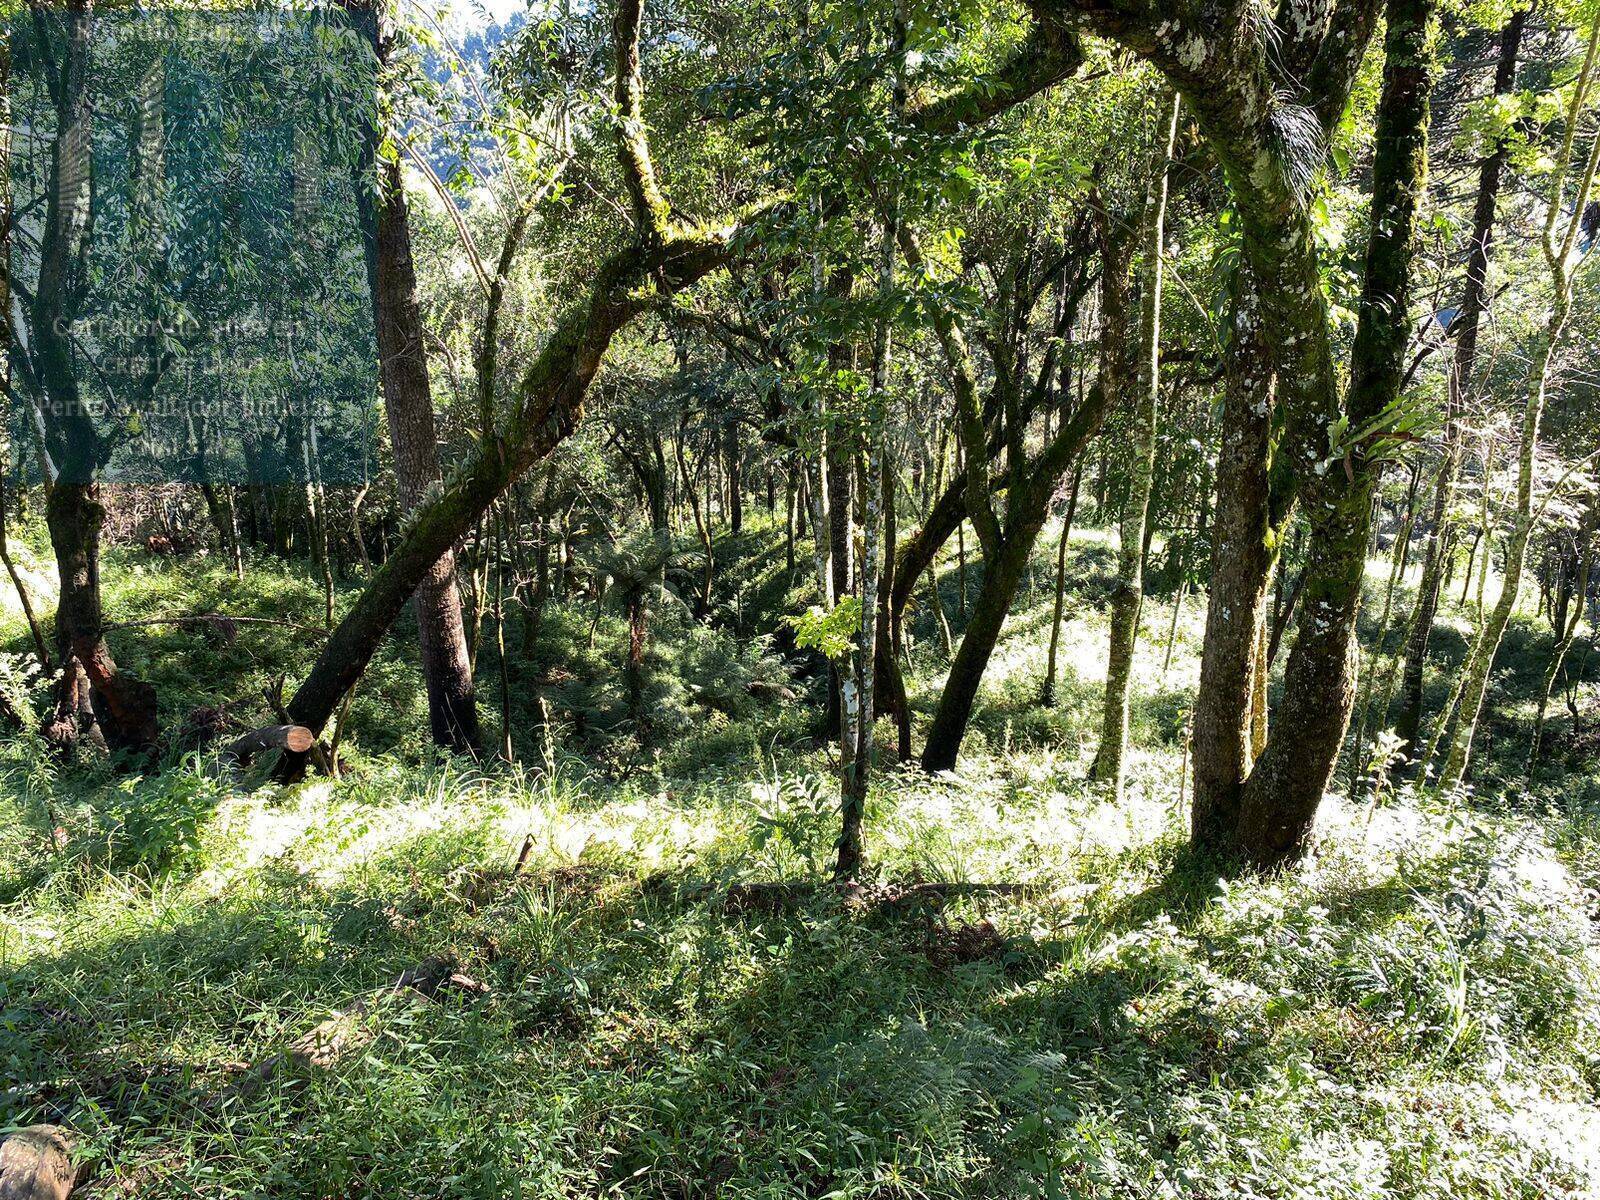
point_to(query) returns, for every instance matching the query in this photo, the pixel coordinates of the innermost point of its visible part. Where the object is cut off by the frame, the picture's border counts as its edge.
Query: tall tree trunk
(732, 455)
(5, 349)
(877, 502)
(124, 707)
(1245, 539)
(840, 472)
(891, 683)
(1285, 787)
(790, 513)
(408, 404)
(1047, 694)
(507, 752)
(1409, 721)
(1561, 257)
(702, 524)
(219, 506)
(1109, 763)
(1367, 678)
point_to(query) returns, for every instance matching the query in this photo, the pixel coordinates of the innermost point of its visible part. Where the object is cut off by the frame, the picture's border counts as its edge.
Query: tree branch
(650, 210)
(1049, 55)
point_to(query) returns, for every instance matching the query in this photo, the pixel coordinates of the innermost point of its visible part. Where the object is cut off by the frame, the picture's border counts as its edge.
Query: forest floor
(199, 977)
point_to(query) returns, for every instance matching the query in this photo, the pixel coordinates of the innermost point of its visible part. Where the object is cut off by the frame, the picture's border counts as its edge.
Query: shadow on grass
(637, 1037)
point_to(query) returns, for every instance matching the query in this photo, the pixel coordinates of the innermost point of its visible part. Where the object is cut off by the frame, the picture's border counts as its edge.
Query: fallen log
(36, 1164)
(242, 750)
(295, 738)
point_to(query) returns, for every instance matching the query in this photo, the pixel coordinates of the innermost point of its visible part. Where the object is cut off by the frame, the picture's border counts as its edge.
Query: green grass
(1414, 1012)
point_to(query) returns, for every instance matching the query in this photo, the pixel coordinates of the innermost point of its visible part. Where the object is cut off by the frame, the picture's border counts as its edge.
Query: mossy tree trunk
(1267, 115)
(1285, 787)
(1245, 541)
(1109, 762)
(548, 401)
(547, 407)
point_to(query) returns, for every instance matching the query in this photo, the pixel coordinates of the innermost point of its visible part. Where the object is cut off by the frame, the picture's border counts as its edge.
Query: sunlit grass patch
(1410, 1013)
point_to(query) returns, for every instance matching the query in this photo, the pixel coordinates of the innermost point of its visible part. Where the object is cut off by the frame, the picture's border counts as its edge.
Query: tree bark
(1027, 508)
(1245, 543)
(732, 454)
(1285, 787)
(124, 707)
(1047, 694)
(1266, 117)
(408, 405)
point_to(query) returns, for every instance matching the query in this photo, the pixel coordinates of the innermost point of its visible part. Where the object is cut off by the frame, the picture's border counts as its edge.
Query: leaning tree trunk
(1008, 545)
(408, 404)
(1001, 577)
(548, 407)
(1409, 721)
(548, 403)
(17, 583)
(1027, 508)
(1109, 763)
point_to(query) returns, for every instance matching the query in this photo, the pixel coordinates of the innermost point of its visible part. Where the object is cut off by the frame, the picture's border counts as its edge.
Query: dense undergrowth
(1413, 1012)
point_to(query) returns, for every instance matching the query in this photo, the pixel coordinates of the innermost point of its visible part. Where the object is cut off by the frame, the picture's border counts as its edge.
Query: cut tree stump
(239, 753)
(294, 738)
(36, 1164)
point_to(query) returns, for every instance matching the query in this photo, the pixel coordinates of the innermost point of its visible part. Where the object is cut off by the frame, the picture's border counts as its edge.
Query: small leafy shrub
(152, 823)
(793, 820)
